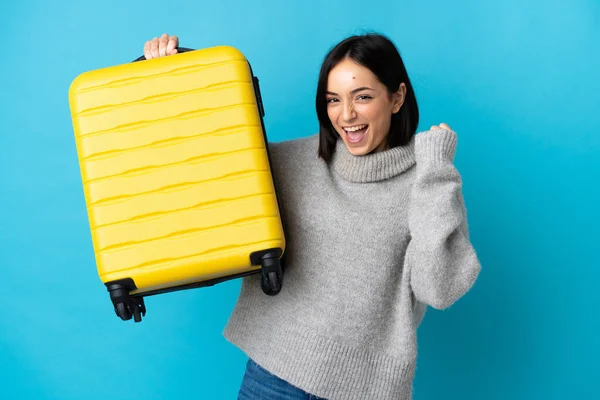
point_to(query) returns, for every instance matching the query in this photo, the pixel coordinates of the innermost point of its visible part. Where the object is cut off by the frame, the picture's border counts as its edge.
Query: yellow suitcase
(176, 175)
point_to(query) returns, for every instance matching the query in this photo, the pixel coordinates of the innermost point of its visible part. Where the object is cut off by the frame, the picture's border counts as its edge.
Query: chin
(358, 150)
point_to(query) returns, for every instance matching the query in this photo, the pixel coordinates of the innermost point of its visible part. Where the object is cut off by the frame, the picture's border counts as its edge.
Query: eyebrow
(353, 91)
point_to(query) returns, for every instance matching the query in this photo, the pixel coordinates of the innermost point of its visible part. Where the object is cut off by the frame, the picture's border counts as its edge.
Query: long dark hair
(377, 53)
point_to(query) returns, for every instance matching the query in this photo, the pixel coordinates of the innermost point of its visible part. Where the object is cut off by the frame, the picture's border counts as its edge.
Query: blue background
(519, 82)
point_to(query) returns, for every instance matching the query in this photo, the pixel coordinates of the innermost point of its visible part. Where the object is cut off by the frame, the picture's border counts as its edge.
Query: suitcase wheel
(122, 311)
(272, 275)
(134, 306)
(125, 305)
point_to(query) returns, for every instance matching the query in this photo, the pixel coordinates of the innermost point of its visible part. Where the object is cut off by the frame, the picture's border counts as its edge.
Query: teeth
(354, 128)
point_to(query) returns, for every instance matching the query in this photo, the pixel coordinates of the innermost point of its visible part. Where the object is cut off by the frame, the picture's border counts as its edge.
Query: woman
(376, 229)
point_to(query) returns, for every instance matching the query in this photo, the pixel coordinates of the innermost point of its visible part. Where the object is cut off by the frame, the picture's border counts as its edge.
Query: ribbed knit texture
(375, 167)
(371, 240)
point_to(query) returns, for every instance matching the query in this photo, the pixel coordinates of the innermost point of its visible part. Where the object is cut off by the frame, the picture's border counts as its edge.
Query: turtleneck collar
(373, 167)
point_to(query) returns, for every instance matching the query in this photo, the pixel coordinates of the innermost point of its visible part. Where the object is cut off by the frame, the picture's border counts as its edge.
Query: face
(360, 107)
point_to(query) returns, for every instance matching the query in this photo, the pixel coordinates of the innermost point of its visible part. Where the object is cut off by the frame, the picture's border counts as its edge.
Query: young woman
(376, 231)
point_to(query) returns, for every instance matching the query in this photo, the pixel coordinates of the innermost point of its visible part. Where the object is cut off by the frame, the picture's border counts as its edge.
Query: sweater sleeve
(442, 262)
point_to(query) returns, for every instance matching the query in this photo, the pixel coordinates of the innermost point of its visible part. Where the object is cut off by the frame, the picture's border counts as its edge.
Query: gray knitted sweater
(371, 241)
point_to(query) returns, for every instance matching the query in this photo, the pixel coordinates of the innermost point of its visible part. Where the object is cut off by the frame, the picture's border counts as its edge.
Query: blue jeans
(260, 384)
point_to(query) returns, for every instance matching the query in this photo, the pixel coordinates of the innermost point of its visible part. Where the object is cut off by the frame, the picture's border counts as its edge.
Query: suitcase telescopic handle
(179, 50)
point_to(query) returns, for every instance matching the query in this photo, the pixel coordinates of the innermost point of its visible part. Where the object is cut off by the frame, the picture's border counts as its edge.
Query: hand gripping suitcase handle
(179, 50)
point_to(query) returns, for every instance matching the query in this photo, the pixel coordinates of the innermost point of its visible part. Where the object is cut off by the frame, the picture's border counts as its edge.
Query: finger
(173, 42)
(435, 127)
(162, 44)
(445, 126)
(147, 53)
(174, 51)
(154, 47)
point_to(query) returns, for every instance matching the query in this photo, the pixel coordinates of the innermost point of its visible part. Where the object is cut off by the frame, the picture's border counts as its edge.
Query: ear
(398, 98)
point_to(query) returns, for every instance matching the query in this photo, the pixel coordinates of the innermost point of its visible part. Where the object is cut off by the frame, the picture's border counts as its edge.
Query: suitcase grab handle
(179, 50)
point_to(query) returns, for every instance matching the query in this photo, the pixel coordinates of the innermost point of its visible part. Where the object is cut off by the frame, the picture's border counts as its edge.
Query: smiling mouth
(355, 133)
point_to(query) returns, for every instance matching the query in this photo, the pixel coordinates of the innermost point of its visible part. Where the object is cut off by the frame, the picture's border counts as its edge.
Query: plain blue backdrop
(519, 82)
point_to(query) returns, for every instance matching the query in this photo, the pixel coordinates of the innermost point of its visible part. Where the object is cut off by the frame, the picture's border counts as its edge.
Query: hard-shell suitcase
(176, 175)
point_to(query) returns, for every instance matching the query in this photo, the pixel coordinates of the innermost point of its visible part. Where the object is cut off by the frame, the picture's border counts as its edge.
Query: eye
(364, 97)
(332, 100)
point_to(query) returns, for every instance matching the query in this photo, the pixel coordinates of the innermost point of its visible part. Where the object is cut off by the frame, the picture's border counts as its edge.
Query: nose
(348, 113)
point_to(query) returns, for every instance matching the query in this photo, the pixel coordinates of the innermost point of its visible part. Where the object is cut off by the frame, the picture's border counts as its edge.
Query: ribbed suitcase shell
(175, 169)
